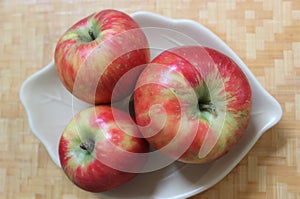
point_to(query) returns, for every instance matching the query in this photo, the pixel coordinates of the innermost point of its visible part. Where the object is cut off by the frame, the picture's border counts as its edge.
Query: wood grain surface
(264, 33)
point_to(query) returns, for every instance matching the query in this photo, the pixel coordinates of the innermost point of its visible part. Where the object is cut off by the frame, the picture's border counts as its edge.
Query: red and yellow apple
(92, 55)
(193, 103)
(98, 149)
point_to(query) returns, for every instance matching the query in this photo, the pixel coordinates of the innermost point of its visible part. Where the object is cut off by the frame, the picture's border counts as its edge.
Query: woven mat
(264, 33)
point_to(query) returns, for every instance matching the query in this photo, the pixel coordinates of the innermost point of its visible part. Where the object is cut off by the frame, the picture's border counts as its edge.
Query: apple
(192, 103)
(99, 149)
(92, 55)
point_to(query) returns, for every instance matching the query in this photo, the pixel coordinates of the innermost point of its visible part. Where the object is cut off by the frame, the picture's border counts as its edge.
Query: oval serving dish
(50, 107)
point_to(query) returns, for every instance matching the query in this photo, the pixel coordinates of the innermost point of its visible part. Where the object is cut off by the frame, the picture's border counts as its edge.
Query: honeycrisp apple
(92, 55)
(98, 152)
(193, 103)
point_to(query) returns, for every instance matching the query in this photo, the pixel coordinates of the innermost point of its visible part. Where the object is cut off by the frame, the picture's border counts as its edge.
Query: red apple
(99, 149)
(193, 103)
(94, 53)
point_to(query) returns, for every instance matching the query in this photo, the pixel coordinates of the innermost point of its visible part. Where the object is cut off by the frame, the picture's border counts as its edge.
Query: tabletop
(265, 34)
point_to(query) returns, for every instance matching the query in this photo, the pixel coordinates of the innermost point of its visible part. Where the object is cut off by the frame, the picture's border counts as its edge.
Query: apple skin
(192, 103)
(92, 55)
(93, 149)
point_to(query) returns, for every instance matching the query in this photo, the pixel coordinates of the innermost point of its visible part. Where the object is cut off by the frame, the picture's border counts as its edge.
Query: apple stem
(92, 35)
(88, 146)
(208, 107)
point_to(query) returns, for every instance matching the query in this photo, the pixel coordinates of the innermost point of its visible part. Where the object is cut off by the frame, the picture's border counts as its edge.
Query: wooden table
(264, 33)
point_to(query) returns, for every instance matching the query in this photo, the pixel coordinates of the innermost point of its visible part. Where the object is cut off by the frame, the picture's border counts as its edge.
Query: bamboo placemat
(264, 33)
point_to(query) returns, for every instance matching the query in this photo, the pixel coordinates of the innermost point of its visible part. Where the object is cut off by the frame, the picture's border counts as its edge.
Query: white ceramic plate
(49, 108)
